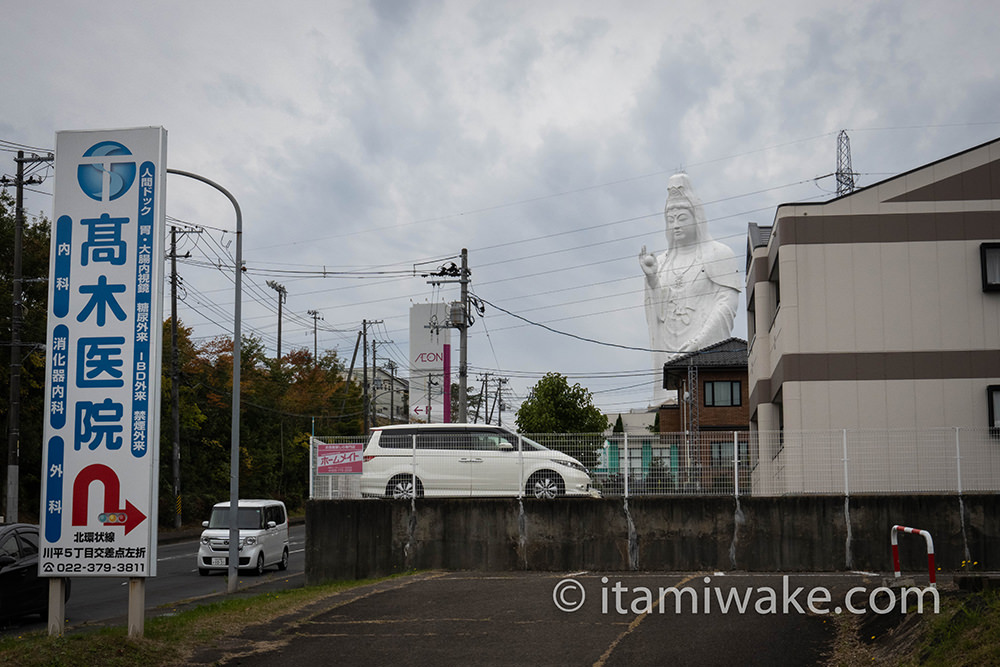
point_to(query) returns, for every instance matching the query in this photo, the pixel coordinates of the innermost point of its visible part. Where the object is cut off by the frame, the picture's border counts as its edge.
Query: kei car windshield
(248, 518)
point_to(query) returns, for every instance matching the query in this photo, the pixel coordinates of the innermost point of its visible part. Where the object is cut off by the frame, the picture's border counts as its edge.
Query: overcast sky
(383, 136)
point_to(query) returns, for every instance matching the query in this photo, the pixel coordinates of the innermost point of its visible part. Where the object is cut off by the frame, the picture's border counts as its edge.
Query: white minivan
(462, 460)
(263, 537)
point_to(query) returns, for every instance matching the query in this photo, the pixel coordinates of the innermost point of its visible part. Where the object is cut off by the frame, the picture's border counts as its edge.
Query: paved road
(513, 618)
(104, 600)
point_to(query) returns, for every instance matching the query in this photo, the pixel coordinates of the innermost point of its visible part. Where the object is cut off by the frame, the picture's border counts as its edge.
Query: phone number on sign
(95, 568)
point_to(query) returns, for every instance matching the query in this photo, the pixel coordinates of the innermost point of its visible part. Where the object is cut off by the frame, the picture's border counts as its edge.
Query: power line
(577, 337)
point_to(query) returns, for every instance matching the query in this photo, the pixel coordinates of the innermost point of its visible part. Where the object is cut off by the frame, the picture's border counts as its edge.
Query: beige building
(878, 310)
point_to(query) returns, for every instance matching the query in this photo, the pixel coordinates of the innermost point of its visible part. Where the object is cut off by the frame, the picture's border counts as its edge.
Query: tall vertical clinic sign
(101, 439)
(430, 364)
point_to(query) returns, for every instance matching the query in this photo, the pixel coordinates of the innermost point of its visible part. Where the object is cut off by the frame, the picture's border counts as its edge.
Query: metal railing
(735, 463)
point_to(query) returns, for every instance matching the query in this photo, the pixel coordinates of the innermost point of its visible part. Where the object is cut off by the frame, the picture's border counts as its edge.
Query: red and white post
(930, 550)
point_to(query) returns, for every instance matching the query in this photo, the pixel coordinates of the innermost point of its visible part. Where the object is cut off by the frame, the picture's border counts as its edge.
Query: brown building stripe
(889, 228)
(873, 366)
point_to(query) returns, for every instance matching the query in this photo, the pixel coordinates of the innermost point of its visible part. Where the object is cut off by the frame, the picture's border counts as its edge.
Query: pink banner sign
(339, 458)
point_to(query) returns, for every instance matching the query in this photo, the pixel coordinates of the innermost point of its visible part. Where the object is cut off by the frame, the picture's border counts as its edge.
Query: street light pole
(234, 449)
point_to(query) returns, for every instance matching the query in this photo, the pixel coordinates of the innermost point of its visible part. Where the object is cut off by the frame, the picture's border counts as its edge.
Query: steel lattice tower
(845, 174)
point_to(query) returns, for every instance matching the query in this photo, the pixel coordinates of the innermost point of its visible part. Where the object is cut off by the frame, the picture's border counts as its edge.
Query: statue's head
(684, 214)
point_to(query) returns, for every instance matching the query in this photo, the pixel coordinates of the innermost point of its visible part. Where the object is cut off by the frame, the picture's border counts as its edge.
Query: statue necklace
(681, 274)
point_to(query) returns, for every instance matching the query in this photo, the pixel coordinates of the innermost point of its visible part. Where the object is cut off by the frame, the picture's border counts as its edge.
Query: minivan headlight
(250, 541)
(570, 464)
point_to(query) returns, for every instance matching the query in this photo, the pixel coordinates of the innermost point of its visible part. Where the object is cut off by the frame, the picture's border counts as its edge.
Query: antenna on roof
(845, 174)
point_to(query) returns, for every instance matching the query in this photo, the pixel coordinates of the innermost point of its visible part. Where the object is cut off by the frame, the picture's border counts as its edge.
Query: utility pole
(374, 403)
(500, 384)
(460, 321)
(391, 365)
(175, 380)
(316, 317)
(282, 295)
(175, 391)
(364, 363)
(16, 320)
(463, 365)
(482, 393)
(350, 372)
(364, 380)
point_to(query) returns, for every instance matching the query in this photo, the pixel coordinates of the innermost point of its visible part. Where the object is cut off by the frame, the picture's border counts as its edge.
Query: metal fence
(738, 463)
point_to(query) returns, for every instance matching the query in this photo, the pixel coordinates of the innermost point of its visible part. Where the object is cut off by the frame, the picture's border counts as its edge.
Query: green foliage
(34, 299)
(966, 632)
(619, 425)
(553, 406)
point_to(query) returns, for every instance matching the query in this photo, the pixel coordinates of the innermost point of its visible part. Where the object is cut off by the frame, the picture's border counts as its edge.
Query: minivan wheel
(400, 487)
(545, 485)
(259, 570)
(283, 564)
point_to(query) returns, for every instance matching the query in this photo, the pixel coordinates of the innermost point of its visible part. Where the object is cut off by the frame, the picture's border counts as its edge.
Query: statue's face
(681, 225)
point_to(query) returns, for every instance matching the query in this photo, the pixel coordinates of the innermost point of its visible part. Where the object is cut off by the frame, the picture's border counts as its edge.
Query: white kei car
(462, 460)
(263, 528)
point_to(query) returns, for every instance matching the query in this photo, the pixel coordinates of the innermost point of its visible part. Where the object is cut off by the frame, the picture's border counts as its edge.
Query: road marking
(635, 624)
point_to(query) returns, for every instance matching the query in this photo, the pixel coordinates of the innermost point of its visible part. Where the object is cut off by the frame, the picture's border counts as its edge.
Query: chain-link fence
(469, 460)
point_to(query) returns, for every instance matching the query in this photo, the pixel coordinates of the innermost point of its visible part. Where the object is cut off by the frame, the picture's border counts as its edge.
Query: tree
(553, 406)
(34, 307)
(619, 426)
(655, 426)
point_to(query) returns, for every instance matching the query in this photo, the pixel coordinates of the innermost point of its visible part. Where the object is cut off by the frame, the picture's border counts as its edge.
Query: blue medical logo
(105, 159)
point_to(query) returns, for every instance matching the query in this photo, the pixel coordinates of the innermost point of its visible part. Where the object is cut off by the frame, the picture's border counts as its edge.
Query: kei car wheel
(545, 485)
(283, 564)
(259, 570)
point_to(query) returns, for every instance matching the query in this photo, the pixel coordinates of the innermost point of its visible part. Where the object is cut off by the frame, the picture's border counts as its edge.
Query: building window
(993, 400)
(774, 283)
(722, 394)
(722, 453)
(989, 255)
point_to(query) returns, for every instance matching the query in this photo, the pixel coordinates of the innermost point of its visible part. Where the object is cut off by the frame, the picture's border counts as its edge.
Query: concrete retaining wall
(353, 539)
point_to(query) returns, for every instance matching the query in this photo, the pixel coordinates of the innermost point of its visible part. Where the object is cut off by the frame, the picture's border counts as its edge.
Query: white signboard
(101, 441)
(430, 364)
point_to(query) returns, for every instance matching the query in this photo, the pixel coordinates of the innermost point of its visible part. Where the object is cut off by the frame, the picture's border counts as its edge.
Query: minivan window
(248, 518)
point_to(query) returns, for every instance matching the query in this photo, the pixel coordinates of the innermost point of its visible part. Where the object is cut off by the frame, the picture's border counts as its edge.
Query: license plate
(220, 561)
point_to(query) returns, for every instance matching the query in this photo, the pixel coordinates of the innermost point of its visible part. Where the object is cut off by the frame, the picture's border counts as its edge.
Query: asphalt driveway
(559, 619)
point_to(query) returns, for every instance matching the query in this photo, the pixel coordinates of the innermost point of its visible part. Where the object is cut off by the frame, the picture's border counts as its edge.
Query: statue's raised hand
(647, 261)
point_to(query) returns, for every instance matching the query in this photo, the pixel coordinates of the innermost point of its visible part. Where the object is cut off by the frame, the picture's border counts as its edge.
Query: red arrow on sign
(112, 496)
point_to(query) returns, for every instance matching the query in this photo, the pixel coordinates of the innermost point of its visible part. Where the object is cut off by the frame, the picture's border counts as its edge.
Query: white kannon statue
(692, 290)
